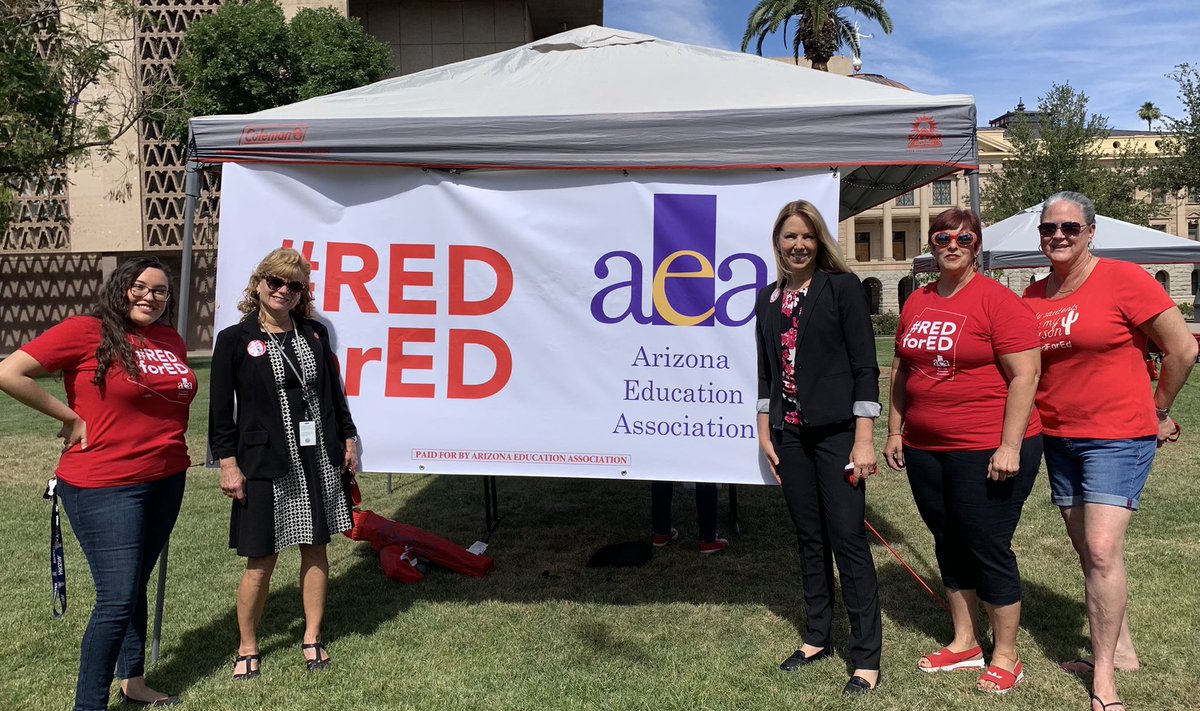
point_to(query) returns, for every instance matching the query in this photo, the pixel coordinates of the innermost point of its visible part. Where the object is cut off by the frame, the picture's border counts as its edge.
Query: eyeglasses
(275, 283)
(160, 293)
(964, 239)
(1069, 229)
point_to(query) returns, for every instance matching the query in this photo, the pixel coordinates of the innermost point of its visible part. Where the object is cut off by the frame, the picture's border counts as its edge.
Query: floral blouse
(792, 307)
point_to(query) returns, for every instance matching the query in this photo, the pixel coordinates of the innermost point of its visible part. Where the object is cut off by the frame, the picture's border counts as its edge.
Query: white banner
(533, 323)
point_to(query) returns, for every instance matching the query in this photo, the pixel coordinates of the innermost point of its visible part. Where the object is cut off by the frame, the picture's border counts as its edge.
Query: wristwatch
(1163, 413)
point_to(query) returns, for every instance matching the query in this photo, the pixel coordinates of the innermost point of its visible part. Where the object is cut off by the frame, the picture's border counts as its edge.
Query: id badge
(308, 433)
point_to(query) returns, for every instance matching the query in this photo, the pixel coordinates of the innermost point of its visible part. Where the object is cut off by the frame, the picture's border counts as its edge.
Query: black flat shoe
(316, 663)
(157, 703)
(858, 685)
(253, 664)
(798, 659)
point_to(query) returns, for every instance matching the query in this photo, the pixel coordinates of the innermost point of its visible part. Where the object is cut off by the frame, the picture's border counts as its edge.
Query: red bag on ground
(399, 564)
(382, 532)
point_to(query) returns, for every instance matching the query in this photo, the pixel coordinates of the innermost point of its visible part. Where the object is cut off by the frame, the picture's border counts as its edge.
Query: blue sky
(1118, 52)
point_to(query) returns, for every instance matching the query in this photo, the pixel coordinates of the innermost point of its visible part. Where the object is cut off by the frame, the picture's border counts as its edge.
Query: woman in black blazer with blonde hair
(281, 428)
(818, 390)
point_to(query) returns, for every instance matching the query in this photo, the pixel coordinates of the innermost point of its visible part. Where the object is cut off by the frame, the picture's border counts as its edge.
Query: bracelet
(895, 434)
(1163, 413)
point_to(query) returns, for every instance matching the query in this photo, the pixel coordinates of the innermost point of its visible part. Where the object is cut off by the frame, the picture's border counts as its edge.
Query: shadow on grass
(548, 530)
(351, 609)
(1051, 619)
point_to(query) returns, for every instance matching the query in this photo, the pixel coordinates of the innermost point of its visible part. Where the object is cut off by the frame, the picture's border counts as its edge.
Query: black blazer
(835, 351)
(252, 427)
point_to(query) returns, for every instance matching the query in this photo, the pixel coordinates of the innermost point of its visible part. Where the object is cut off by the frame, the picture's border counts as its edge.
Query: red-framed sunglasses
(964, 239)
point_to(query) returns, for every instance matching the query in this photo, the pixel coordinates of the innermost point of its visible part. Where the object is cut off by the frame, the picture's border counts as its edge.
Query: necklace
(1060, 289)
(266, 326)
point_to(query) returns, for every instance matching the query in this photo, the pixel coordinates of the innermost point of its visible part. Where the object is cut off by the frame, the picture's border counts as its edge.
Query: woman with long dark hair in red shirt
(121, 474)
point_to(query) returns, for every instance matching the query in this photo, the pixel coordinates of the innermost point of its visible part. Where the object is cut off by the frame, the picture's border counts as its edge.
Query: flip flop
(1078, 665)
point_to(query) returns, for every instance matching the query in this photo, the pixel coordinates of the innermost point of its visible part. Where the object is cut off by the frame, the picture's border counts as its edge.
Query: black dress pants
(828, 515)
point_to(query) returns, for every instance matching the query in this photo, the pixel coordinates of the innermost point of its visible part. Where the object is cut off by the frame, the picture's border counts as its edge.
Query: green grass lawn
(545, 632)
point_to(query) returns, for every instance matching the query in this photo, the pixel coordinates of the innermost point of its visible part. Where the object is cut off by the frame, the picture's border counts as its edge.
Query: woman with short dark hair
(963, 379)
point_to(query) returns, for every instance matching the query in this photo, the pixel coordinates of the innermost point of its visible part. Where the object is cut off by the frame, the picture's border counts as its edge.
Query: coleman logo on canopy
(924, 134)
(260, 135)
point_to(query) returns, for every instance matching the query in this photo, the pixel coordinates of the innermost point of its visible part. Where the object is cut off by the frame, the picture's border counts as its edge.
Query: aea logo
(688, 283)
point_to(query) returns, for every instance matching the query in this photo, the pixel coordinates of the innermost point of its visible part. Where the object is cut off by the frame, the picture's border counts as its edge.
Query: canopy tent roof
(1014, 243)
(599, 98)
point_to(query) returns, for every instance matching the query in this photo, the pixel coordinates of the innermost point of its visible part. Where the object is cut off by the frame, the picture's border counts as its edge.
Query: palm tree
(1149, 113)
(820, 28)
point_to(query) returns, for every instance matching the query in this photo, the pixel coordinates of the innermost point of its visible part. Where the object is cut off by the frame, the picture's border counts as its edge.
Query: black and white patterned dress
(309, 503)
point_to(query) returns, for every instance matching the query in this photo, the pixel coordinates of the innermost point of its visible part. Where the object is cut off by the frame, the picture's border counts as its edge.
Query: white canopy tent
(1013, 243)
(599, 98)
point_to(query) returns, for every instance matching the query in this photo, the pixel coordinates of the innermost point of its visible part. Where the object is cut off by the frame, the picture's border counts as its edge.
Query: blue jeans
(1099, 471)
(122, 530)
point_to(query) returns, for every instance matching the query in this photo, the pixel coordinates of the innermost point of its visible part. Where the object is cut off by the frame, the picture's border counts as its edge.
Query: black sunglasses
(1069, 229)
(964, 239)
(275, 283)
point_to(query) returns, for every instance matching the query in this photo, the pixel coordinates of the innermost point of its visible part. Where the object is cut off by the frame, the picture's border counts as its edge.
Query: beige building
(880, 243)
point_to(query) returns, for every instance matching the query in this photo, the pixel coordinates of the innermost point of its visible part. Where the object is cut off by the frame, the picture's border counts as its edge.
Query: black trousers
(973, 518)
(828, 515)
(661, 493)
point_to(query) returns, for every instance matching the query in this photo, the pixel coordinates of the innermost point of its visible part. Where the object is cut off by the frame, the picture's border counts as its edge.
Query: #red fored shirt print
(136, 427)
(955, 390)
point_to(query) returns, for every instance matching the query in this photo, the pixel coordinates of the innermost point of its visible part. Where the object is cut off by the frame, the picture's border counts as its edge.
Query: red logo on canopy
(263, 135)
(924, 134)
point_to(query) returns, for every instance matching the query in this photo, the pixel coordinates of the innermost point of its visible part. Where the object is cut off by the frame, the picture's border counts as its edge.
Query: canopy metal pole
(973, 182)
(191, 189)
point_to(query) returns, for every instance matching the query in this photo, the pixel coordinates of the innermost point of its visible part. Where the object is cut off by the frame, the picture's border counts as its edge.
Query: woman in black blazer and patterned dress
(818, 390)
(287, 446)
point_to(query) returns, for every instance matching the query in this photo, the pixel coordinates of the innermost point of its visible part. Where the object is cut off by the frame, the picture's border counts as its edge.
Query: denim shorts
(1098, 471)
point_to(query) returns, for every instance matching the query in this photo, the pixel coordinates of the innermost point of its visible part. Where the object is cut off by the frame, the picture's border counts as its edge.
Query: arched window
(905, 290)
(1165, 279)
(873, 288)
(1195, 280)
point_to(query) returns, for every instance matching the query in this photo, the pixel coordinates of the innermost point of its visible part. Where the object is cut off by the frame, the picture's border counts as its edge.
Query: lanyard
(283, 352)
(58, 561)
(286, 359)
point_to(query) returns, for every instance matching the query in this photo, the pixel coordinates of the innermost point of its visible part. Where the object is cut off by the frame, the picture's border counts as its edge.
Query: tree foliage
(1179, 148)
(1064, 150)
(246, 57)
(66, 87)
(821, 29)
(1149, 113)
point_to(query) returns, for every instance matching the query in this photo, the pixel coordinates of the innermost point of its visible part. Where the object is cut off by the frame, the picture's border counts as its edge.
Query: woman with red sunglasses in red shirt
(963, 381)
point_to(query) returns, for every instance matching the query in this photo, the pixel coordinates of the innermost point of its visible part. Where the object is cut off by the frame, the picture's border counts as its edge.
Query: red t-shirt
(135, 430)
(1094, 381)
(955, 391)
